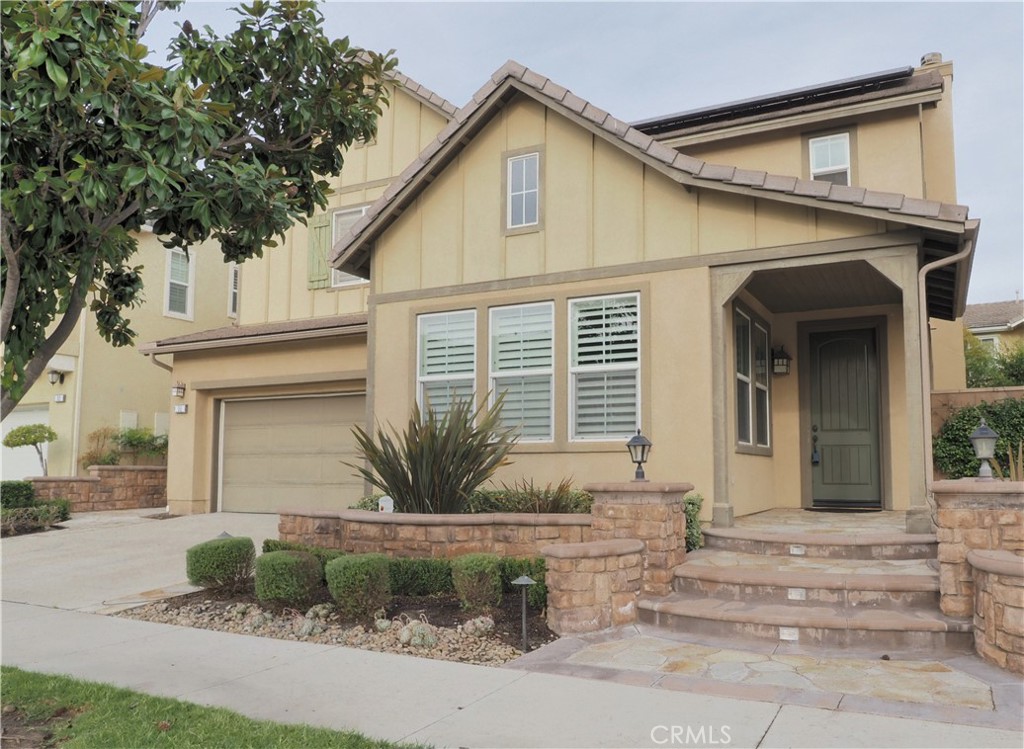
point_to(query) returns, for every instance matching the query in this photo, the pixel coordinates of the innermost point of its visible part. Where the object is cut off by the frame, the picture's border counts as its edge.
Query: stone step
(809, 581)
(827, 626)
(834, 545)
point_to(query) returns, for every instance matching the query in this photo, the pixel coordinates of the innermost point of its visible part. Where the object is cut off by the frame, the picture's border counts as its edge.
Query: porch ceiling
(831, 286)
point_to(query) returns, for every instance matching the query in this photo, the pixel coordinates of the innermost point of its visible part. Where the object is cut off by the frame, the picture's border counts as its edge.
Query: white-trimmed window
(179, 292)
(523, 206)
(522, 360)
(234, 282)
(341, 222)
(446, 354)
(753, 397)
(604, 367)
(830, 158)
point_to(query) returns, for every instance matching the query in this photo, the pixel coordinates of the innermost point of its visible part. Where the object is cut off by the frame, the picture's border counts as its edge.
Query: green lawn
(85, 714)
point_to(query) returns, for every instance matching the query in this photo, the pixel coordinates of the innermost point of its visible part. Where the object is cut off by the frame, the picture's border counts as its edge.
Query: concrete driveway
(102, 560)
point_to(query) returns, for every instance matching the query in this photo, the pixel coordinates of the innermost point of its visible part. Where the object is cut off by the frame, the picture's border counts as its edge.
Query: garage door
(290, 453)
(21, 462)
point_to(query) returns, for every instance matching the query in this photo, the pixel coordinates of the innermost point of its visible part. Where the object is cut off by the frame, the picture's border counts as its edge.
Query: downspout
(151, 355)
(926, 355)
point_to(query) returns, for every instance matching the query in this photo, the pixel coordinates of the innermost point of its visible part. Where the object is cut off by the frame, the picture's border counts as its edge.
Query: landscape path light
(524, 582)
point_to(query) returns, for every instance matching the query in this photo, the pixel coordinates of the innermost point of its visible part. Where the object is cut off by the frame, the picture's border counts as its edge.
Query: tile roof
(247, 333)
(512, 77)
(424, 94)
(995, 314)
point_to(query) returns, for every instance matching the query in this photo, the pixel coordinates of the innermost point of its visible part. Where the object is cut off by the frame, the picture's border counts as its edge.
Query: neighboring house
(97, 385)
(996, 324)
(611, 278)
(271, 402)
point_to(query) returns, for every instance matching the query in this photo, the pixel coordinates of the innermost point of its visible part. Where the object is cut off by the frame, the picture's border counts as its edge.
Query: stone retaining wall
(108, 488)
(974, 515)
(592, 586)
(999, 607)
(439, 536)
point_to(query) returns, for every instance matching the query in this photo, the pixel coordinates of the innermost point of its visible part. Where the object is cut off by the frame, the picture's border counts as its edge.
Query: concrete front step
(857, 545)
(830, 626)
(809, 581)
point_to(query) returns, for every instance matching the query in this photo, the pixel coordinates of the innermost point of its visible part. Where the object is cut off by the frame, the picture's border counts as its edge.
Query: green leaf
(56, 74)
(133, 175)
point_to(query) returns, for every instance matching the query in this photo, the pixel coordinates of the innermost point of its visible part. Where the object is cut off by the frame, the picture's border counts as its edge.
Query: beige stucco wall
(949, 370)
(907, 149)
(275, 287)
(317, 366)
(108, 380)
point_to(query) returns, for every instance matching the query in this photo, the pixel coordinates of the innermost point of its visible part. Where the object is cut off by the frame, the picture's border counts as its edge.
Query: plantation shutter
(605, 366)
(521, 367)
(319, 243)
(343, 221)
(447, 358)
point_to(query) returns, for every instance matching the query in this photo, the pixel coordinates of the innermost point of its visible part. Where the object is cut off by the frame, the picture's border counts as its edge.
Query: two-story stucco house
(96, 385)
(758, 287)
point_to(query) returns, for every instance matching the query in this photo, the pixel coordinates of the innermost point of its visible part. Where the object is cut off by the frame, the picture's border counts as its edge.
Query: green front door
(845, 419)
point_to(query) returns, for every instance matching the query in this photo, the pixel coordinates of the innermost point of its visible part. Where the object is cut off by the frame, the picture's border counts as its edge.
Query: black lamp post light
(639, 448)
(524, 582)
(984, 441)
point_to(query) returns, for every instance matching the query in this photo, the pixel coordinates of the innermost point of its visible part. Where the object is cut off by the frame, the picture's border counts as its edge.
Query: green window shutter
(319, 246)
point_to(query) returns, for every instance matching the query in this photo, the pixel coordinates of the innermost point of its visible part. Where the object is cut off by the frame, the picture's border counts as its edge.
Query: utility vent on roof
(932, 58)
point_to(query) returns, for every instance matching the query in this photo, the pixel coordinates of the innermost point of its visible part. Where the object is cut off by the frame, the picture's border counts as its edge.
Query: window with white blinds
(181, 273)
(342, 222)
(521, 340)
(604, 366)
(446, 358)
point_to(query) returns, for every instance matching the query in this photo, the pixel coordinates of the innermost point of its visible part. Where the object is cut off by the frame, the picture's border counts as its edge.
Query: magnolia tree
(232, 141)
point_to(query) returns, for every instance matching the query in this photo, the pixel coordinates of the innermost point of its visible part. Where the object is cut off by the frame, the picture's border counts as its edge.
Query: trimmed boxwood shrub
(477, 580)
(221, 563)
(291, 578)
(17, 494)
(323, 554)
(535, 568)
(359, 583)
(420, 577)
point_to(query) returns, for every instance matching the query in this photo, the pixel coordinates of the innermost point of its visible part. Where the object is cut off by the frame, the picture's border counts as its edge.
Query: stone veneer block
(999, 607)
(590, 585)
(108, 488)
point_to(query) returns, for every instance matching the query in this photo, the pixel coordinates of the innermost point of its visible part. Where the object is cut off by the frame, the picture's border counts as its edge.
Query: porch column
(918, 513)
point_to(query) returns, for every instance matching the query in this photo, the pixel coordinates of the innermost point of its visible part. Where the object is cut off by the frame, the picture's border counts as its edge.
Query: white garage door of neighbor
(21, 462)
(286, 453)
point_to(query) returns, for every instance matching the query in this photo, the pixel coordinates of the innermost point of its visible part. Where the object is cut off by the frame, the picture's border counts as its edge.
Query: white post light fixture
(639, 448)
(984, 441)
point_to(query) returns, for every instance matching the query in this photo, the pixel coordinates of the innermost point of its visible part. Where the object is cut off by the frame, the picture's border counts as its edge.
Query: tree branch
(147, 12)
(55, 340)
(13, 280)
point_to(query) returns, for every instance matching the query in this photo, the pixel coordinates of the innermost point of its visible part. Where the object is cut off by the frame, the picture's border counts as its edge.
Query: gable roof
(994, 316)
(420, 92)
(352, 251)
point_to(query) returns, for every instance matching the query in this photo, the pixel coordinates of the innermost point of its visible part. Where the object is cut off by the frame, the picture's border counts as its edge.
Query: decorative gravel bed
(451, 640)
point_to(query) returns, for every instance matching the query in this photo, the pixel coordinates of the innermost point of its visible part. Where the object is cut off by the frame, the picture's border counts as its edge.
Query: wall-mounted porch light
(178, 390)
(639, 448)
(781, 361)
(984, 441)
(55, 376)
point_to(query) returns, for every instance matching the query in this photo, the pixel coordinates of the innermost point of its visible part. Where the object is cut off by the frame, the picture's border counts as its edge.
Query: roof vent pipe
(931, 58)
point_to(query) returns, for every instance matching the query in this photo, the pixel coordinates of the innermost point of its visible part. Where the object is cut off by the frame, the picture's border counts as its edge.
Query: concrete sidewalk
(51, 587)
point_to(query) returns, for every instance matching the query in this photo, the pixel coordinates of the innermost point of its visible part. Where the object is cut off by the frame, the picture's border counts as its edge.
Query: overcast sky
(642, 59)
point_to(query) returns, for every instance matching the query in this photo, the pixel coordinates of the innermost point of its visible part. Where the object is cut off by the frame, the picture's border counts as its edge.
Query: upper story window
(446, 355)
(604, 367)
(522, 359)
(830, 158)
(753, 405)
(522, 207)
(179, 292)
(343, 221)
(234, 282)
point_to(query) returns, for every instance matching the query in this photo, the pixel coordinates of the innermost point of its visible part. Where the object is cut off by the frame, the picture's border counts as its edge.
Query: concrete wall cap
(62, 479)
(592, 549)
(976, 488)
(408, 518)
(128, 468)
(640, 487)
(996, 561)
